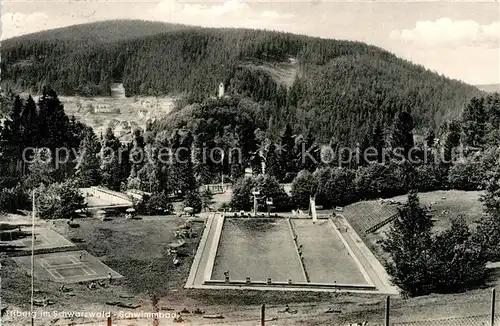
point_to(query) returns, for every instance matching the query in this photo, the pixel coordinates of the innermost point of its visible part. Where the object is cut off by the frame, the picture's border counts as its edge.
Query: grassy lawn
(137, 249)
(446, 204)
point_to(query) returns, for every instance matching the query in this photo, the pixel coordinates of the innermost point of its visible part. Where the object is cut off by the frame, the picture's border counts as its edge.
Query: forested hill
(100, 32)
(345, 83)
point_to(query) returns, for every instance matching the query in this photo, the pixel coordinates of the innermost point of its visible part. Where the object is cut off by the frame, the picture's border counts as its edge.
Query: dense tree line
(36, 139)
(455, 162)
(349, 85)
(34, 125)
(42, 148)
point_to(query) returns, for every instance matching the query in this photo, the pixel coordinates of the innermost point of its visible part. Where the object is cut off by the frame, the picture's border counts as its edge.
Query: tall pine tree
(489, 226)
(182, 177)
(474, 120)
(287, 143)
(452, 142)
(111, 161)
(88, 170)
(408, 244)
(402, 134)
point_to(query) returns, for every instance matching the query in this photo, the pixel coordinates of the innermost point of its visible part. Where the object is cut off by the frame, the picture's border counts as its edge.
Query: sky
(455, 38)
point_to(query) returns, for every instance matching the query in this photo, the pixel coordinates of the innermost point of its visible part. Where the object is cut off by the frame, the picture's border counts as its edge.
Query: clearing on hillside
(121, 114)
(282, 72)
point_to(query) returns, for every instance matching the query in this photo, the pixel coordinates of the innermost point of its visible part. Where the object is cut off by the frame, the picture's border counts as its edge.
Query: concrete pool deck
(202, 270)
(373, 267)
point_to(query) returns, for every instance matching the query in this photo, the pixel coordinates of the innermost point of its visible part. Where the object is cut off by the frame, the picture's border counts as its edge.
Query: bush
(58, 200)
(466, 176)
(338, 190)
(431, 177)
(12, 199)
(193, 199)
(242, 198)
(268, 186)
(207, 199)
(157, 203)
(380, 181)
(457, 261)
(303, 187)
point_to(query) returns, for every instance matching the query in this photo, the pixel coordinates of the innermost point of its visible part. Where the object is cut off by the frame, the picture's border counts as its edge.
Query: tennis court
(68, 267)
(44, 239)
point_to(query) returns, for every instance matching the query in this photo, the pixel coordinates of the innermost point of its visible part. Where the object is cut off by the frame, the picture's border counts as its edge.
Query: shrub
(157, 203)
(456, 261)
(207, 199)
(193, 199)
(241, 198)
(58, 200)
(12, 199)
(466, 176)
(269, 188)
(303, 187)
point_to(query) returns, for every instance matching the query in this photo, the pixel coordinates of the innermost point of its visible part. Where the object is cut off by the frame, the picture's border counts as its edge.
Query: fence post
(387, 310)
(493, 307)
(263, 315)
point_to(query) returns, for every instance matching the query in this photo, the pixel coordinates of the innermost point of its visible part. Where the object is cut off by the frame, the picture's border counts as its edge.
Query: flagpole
(1, 316)
(32, 256)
